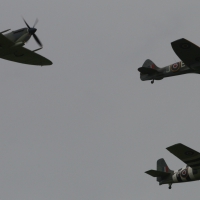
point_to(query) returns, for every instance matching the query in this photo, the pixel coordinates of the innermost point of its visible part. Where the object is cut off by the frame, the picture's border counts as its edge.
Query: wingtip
(181, 39)
(174, 145)
(49, 63)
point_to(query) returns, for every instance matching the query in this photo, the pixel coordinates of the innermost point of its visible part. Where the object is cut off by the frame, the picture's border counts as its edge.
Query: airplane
(190, 172)
(11, 46)
(189, 54)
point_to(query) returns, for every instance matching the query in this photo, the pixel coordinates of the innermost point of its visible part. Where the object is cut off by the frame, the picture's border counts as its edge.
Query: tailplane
(162, 171)
(148, 67)
(156, 173)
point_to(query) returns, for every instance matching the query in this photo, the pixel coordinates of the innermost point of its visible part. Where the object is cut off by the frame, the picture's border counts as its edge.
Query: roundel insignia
(175, 67)
(184, 173)
(185, 45)
(189, 153)
(152, 66)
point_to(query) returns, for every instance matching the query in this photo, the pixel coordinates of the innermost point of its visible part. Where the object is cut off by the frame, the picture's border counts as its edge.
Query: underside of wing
(5, 42)
(188, 52)
(186, 154)
(25, 56)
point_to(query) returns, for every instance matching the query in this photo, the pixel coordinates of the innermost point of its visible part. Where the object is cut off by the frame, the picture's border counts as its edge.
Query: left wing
(25, 56)
(186, 154)
(188, 52)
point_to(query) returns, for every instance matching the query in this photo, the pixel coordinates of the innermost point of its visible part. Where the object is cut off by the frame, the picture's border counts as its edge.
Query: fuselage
(20, 35)
(175, 69)
(185, 174)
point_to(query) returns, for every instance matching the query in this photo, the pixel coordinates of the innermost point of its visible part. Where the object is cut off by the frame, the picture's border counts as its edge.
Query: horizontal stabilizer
(156, 173)
(145, 70)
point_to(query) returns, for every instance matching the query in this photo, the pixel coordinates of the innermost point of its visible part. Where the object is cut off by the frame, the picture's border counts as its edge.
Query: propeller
(32, 32)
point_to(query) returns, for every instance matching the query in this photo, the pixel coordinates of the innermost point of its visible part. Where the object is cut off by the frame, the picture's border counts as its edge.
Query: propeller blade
(32, 31)
(36, 21)
(26, 23)
(37, 40)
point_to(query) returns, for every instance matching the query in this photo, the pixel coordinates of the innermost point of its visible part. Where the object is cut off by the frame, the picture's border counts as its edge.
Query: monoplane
(189, 54)
(11, 46)
(190, 172)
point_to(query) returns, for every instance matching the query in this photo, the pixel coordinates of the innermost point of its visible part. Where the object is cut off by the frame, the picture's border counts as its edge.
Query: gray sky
(87, 127)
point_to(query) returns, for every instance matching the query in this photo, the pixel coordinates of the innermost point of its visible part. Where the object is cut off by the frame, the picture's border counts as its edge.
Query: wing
(186, 154)
(25, 56)
(20, 54)
(5, 42)
(188, 52)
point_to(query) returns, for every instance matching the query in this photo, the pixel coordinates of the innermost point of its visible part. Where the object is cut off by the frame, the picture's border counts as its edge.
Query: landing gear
(170, 186)
(152, 81)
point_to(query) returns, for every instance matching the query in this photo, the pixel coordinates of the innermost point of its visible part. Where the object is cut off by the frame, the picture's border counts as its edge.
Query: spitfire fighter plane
(189, 54)
(11, 46)
(190, 172)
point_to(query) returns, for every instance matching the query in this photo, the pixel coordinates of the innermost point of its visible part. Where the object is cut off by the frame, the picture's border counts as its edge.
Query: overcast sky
(87, 127)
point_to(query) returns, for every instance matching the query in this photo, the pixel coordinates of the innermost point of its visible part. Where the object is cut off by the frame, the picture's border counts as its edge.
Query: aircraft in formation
(190, 172)
(11, 46)
(189, 54)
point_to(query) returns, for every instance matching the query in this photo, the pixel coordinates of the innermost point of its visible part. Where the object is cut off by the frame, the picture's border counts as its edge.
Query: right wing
(20, 54)
(25, 56)
(186, 154)
(188, 52)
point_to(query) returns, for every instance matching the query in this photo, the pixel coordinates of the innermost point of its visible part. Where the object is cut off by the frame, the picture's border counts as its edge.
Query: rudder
(148, 67)
(150, 64)
(162, 166)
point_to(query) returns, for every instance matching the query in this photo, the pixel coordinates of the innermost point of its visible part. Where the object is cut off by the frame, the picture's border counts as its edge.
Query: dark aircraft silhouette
(190, 172)
(189, 54)
(11, 46)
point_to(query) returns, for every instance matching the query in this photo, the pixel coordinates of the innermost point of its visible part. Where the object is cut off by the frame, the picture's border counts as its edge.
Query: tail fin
(162, 171)
(162, 166)
(148, 67)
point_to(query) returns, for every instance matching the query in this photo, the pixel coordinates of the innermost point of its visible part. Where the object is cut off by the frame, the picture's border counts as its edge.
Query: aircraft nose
(32, 30)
